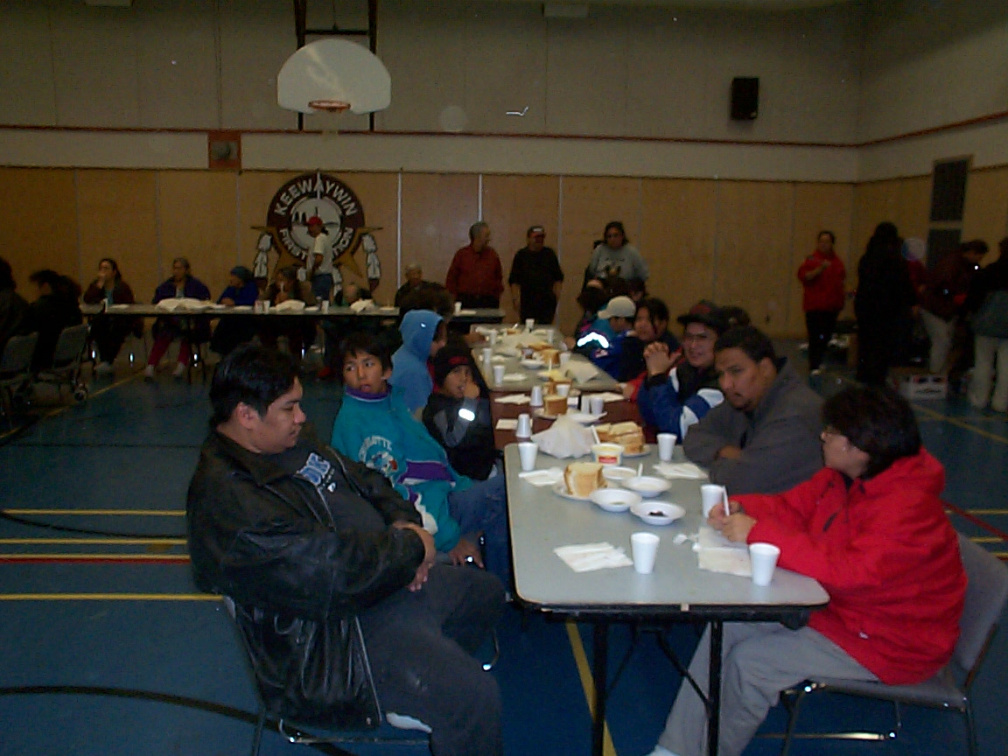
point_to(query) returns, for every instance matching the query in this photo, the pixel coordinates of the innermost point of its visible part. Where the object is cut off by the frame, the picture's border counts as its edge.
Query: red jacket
(825, 291)
(477, 273)
(886, 554)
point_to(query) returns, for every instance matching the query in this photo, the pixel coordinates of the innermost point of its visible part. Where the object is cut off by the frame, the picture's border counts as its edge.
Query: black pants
(820, 325)
(478, 301)
(420, 647)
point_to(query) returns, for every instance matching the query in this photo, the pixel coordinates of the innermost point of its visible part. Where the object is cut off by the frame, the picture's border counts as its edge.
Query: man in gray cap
(603, 343)
(414, 282)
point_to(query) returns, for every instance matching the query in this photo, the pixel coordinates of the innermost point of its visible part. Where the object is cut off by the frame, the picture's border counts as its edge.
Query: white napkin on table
(592, 556)
(362, 304)
(717, 554)
(507, 423)
(512, 399)
(581, 372)
(183, 303)
(548, 477)
(680, 470)
(609, 396)
(294, 305)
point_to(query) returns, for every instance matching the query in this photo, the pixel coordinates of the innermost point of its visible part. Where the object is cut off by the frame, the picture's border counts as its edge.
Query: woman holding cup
(871, 528)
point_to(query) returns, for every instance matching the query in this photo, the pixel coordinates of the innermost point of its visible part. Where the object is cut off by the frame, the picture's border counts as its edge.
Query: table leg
(714, 687)
(600, 633)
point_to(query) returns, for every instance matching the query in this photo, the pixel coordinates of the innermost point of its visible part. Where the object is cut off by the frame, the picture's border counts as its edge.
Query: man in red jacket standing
(822, 277)
(871, 528)
(475, 277)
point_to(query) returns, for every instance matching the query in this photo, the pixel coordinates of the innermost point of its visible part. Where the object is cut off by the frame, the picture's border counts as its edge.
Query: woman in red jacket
(822, 276)
(871, 528)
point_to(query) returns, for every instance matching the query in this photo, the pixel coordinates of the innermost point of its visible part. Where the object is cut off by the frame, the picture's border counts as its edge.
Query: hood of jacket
(418, 328)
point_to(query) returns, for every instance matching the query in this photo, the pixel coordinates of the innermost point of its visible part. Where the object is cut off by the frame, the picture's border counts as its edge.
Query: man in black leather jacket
(302, 537)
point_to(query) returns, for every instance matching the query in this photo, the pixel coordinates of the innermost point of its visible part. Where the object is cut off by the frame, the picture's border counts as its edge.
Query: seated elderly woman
(871, 528)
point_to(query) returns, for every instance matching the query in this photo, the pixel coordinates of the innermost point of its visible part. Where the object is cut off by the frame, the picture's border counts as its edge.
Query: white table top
(215, 310)
(602, 381)
(542, 520)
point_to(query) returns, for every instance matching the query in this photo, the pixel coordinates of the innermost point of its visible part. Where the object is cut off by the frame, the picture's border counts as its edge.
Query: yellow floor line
(103, 512)
(987, 511)
(94, 557)
(108, 597)
(584, 671)
(960, 424)
(93, 541)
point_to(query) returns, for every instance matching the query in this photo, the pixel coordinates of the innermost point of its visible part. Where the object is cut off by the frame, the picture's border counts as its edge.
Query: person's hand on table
(734, 526)
(466, 551)
(227, 301)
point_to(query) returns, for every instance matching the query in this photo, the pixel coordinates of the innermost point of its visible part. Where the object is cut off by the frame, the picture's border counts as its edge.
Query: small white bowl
(618, 475)
(648, 485)
(657, 512)
(614, 499)
(532, 364)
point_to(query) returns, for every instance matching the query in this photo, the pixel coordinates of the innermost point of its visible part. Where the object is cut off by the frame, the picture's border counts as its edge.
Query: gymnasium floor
(95, 597)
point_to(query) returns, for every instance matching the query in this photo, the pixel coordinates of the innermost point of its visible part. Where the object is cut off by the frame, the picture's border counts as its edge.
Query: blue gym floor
(96, 598)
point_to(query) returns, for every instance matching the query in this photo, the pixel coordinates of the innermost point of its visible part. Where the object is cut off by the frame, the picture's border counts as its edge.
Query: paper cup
(666, 446)
(325, 305)
(487, 354)
(764, 559)
(529, 324)
(458, 307)
(711, 495)
(644, 548)
(498, 374)
(586, 403)
(493, 337)
(527, 452)
(607, 454)
(597, 404)
(266, 305)
(524, 427)
(536, 399)
(563, 389)
(564, 358)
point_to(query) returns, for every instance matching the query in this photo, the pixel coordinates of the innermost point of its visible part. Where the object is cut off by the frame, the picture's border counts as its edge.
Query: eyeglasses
(696, 337)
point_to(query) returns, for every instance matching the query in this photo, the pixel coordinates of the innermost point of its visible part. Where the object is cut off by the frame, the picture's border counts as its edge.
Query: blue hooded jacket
(409, 363)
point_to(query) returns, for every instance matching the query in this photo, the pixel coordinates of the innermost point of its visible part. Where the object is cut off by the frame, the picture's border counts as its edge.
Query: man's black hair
(251, 375)
(365, 342)
(751, 340)
(878, 421)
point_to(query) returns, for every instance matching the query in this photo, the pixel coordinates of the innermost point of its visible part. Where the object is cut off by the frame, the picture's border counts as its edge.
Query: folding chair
(986, 594)
(305, 735)
(15, 371)
(69, 355)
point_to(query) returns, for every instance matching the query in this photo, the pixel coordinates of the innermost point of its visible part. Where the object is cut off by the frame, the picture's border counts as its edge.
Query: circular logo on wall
(318, 194)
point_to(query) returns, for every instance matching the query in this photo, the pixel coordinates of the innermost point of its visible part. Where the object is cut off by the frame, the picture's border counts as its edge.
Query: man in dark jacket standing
(301, 537)
(535, 279)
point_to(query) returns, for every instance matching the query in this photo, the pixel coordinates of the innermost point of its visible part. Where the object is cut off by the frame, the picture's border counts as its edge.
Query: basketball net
(327, 115)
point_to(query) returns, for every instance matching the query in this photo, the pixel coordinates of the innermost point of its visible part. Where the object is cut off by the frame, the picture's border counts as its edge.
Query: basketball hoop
(329, 106)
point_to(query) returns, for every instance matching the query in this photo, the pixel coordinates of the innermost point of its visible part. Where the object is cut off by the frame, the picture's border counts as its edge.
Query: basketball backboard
(334, 70)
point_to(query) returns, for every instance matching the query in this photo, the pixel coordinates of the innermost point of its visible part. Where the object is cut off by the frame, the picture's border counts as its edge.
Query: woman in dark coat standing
(882, 305)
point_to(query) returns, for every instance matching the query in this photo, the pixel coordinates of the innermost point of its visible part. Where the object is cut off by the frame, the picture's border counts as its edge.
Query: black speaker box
(744, 98)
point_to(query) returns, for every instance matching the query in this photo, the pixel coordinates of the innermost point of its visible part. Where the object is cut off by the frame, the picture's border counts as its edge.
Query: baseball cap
(707, 313)
(315, 221)
(619, 307)
(536, 231)
(447, 359)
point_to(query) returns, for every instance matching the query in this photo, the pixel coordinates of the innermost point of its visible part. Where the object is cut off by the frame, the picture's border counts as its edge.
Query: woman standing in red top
(822, 276)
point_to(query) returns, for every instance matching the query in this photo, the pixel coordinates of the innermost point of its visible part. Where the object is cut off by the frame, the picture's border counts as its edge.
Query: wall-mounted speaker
(744, 98)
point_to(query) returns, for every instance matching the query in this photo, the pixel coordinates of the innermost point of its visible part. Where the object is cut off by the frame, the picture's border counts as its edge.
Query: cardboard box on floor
(916, 383)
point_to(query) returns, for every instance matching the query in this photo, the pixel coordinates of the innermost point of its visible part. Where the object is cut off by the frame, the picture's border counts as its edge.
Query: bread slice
(604, 431)
(629, 435)
(581, 478)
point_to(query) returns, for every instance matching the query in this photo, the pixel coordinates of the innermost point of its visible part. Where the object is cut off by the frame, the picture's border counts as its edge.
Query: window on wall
(948, 196)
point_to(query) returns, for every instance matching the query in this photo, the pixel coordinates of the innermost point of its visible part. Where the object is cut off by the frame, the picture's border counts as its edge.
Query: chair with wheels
(69, 355)
(949, 690)
(15, 371)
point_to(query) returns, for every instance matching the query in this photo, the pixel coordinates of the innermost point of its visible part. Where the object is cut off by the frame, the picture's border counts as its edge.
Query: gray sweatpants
(760, 660)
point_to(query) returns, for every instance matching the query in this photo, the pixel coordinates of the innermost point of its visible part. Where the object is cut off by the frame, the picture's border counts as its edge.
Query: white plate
(645, 450)
(618, 475)
(614, 499)
(658, 512)
(242, 308)
(560, 489)
(585, 418)
(514, 378)
(647, 486)
(533, 364)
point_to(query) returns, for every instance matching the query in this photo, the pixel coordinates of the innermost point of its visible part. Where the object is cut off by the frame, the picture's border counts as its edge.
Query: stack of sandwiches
(628, 434)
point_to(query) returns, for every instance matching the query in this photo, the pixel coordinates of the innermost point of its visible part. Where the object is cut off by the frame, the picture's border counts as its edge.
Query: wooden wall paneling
(678, 230)
(255, 190)
(821, 207)
(510, 205)
(985, 215)
(438, 210)
(377, 193)
(588, 203)
(118, 218)
(752, 266)
(197, 215)
(38, 224)
(905, 202)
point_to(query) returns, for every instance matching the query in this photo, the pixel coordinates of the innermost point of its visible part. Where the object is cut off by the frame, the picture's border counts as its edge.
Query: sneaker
(149, 373)
(179, 370)
(817, 371)
(104, 368)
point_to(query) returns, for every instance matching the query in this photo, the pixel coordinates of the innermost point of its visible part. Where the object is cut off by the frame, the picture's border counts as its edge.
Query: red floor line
(977, 521)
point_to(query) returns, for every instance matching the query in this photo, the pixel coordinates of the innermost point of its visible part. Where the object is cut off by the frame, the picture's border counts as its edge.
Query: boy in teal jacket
(375, 427)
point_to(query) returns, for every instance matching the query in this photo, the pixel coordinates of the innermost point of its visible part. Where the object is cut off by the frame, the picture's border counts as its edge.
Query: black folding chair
(68, 356)
(15, 371)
